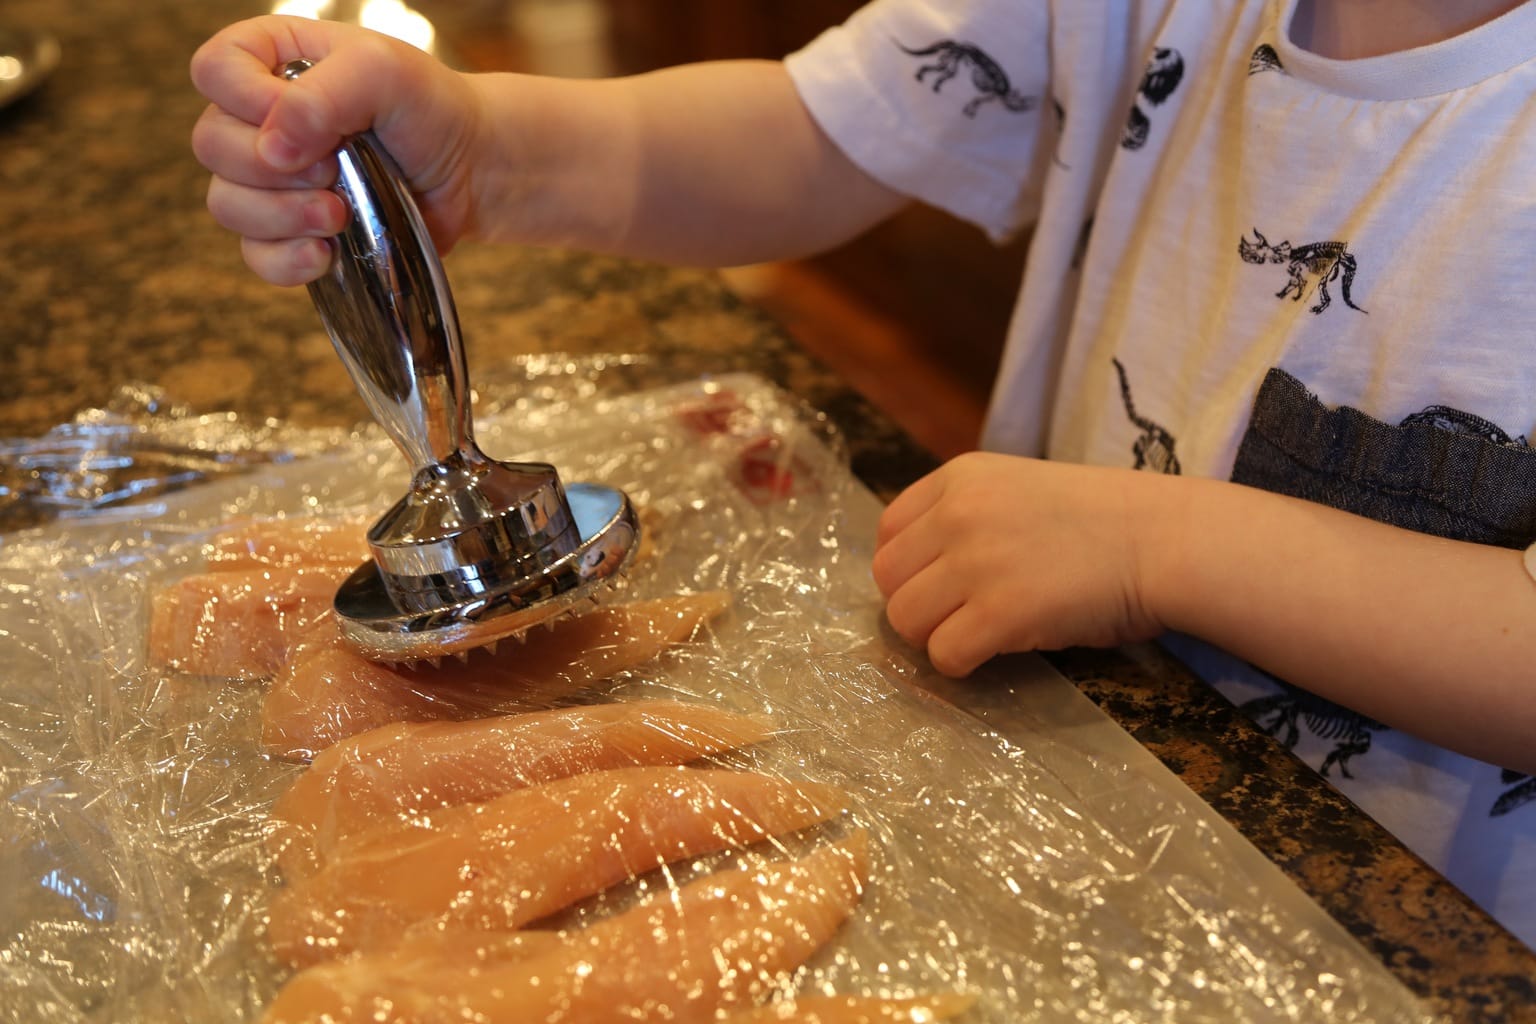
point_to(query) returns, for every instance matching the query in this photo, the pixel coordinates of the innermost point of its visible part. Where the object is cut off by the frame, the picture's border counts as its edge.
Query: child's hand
(997, 553)
(270, 142)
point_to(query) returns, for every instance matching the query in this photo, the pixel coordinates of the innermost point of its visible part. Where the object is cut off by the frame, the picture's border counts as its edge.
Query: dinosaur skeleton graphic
(1164, 73)
(1326, 261)
(1283, 715)
(1154, 448)
(1444, 417)
(987, 75)
(1522, 791)
(1061, 131)
(1264, 58)
(1080, 248)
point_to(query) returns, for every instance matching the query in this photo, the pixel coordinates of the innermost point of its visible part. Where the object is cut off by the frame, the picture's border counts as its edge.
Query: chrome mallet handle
(386, 303)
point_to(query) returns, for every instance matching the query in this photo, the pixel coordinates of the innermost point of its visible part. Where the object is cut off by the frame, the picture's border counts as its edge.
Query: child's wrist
(1166, 522)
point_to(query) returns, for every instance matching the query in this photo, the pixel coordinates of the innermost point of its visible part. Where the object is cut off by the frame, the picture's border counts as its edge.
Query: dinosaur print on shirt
(1164, 73)
(1325, 261)
(1080, 250)
(1522, 791)
(1283, 714)
(1264, 59)
(1153, 449)
(987, 76)
(1061, 131)
(1443, 417)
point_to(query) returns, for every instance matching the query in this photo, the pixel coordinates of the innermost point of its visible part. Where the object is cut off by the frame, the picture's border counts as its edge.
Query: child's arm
(995, 553)
(709, 164)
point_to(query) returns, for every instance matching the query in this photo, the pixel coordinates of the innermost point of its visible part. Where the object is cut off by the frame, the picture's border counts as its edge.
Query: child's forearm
(709, 164)
(1432, 636)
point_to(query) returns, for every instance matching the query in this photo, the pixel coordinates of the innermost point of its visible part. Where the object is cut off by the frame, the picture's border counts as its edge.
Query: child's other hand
(996, 553)
(270, 143)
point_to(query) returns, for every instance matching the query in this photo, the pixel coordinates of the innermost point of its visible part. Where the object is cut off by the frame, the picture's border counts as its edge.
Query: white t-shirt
(1248, 262)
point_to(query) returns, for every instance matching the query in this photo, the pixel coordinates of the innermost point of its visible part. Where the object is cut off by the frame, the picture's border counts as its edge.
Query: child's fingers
(226, 146)
(237, 68)
(289, 262)
(272, 214)
(962, 642)
(922, 602)
(909, 505)
(355, 75)
(367, 81)
(905, 554)
(959, 645)
(311, 117)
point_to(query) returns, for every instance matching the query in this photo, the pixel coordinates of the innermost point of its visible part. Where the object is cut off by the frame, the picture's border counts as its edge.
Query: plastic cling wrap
(725, 794)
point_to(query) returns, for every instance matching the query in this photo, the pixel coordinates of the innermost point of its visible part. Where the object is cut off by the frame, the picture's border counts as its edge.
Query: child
(1274, 336)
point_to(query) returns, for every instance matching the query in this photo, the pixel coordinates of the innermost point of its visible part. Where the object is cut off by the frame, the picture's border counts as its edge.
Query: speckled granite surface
(111, 271)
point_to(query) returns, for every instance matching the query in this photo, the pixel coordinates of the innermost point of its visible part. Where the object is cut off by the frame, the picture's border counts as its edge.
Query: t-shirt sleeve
(947, 101)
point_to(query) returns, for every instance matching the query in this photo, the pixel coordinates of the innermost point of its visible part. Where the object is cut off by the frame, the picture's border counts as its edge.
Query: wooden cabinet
(654, 33)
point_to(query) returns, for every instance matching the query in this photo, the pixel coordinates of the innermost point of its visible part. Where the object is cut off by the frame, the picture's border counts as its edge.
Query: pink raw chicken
(237, 623)
(857, 1010)
(522, 856)
(311, 541)
(723, 941)
(326, 692)
(405, 769)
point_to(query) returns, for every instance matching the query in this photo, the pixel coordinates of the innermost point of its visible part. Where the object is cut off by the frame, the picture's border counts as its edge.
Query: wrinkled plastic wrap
(167, 854)
(139, 445)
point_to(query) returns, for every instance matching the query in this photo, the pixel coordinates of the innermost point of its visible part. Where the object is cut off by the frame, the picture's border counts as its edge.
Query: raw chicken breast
(401, 770)
(312, 541)
(723, 941)
(239, 623)
(857, 1010)
(524, 855)
(327, 692)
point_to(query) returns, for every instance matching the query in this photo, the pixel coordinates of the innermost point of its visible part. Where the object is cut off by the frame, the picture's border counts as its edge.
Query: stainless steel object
(478, 550)
(27, 57)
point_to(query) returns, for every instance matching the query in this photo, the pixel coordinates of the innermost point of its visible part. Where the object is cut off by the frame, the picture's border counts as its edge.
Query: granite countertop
(112, 272)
